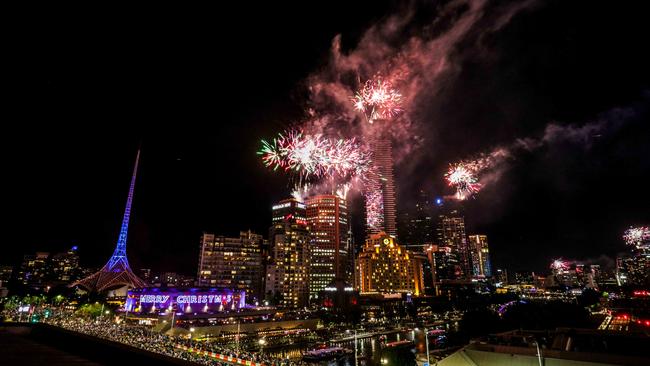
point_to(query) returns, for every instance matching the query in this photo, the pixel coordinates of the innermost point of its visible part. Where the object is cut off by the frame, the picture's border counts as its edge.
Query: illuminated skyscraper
(451, 233)
(327, 216)
(444, 262)
(65, 266)
(6, 273)
(287, 274)
(381, 212)
(633, 268)
(34, 269)
(385, 267)
(234, 263)
(480, 254)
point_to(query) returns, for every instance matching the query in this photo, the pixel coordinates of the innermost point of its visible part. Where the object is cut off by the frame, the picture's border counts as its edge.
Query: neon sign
(211, 300)
(203, 299)
(156, 299)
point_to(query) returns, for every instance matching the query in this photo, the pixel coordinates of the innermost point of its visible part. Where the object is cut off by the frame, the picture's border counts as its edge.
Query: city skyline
(69, 191)
(366, 183)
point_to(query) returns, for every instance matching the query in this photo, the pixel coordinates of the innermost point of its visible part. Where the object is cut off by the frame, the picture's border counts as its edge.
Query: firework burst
(343, 189)
(636, 236)
(272, 155)
(374, 209)
(314, 156)
(300, 192)
(378, 100)
(560, 265)
(462, 176)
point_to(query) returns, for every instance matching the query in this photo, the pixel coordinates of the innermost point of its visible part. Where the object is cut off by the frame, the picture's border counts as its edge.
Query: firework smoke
(403, 63)
(470, 176)
(301, 192)
(395, 69)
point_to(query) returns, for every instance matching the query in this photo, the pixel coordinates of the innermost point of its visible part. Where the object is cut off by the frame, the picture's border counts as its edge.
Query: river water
(369, 350)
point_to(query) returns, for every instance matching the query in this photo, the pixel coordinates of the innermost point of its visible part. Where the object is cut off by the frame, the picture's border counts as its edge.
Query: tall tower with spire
(116, 273)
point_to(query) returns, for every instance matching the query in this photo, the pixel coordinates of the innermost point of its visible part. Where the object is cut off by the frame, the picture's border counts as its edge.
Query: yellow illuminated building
(385, 267)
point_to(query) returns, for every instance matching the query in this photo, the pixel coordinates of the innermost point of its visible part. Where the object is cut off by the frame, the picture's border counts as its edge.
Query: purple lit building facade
(184, 300)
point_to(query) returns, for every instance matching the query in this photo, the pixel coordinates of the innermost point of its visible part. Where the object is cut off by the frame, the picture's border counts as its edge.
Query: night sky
(199, 88)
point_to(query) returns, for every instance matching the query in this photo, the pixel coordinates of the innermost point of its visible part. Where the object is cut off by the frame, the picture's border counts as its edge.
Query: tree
(11, 303)
(89, 311)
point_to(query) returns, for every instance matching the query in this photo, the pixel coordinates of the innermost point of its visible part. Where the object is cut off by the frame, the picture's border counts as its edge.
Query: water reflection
(369, 350)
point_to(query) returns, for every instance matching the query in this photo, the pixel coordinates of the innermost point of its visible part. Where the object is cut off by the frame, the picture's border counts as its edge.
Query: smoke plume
(492, 165)
(415, 56)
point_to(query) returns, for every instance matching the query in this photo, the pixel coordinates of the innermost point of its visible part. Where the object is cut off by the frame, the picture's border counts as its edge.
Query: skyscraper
(65, 265)
(634, 267)
(381, 211)
(444, 263)
(385, 267)
(416, 225)
(234, 263)
(5, 276)
(34, 270)
(5, 273)
(480, 254)
(287, 274)
(145, 275)
(327, 216)
(451, 233)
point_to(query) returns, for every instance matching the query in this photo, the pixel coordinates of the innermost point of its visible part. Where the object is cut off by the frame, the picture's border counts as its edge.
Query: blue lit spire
(116, 272)
(119, 255)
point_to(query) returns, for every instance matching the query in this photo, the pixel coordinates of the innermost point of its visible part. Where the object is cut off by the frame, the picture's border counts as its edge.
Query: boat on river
(324, 354)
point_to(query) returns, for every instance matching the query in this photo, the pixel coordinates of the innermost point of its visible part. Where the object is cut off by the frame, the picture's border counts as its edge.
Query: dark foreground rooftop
(44, 345)
(563, 346)
(19, 349)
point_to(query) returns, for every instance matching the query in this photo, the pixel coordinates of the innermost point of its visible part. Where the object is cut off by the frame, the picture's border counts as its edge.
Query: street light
(355, 349)
(426, 342)
(262, 342)
(238, 332)
(539, 353)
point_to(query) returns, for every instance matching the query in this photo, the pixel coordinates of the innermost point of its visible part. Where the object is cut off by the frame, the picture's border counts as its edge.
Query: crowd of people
(145, 338)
